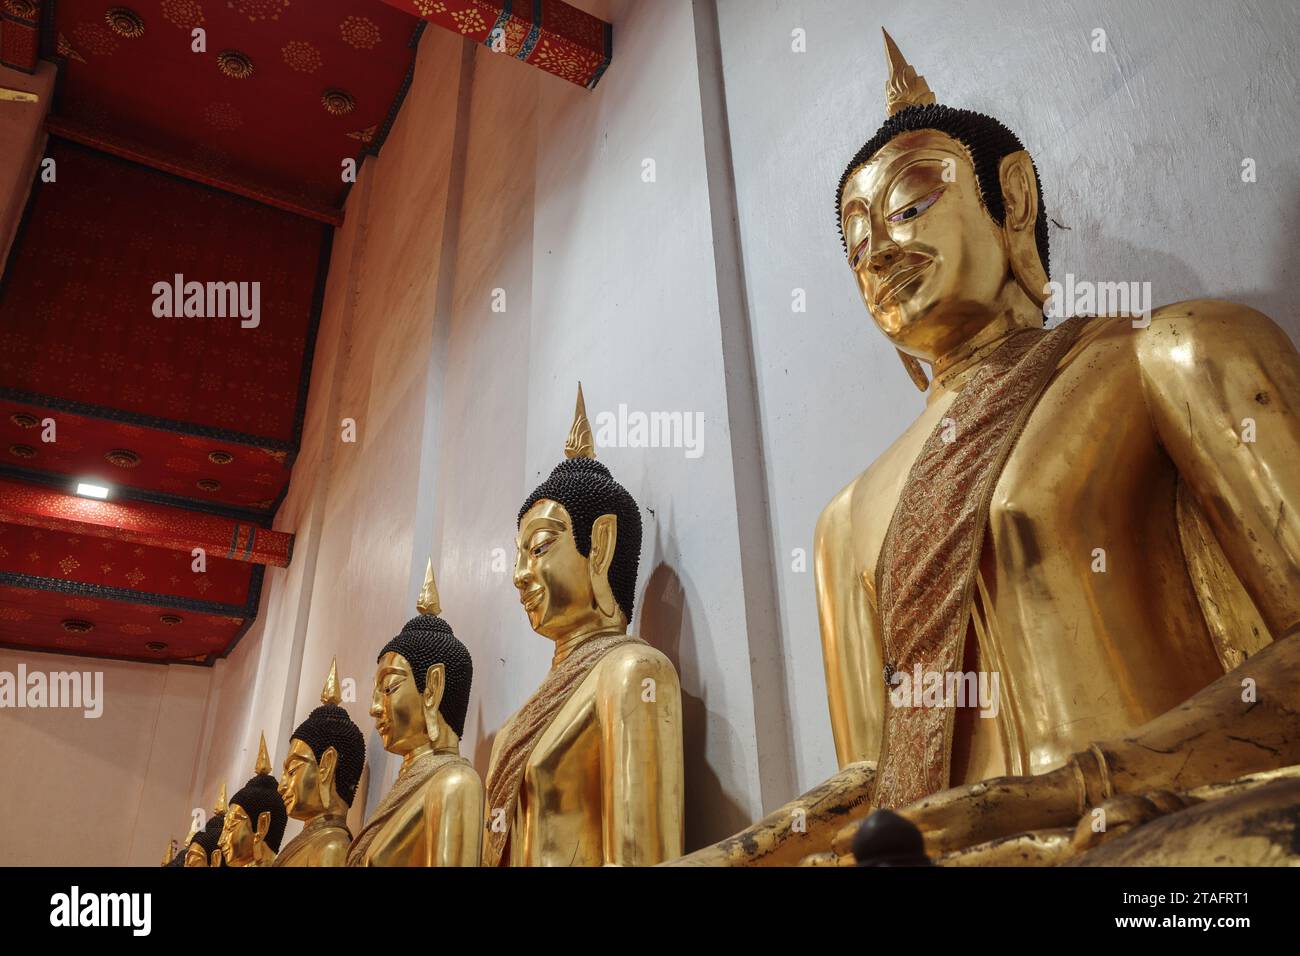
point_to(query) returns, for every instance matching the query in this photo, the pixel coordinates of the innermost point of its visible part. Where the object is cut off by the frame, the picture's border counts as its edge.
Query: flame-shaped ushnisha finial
(580, 444)
(904, 87)
(263, 765)
(428, 602)
(330, 692)
(221, 799)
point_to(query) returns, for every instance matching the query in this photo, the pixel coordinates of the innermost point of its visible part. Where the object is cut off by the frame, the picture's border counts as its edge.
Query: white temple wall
(100, 791)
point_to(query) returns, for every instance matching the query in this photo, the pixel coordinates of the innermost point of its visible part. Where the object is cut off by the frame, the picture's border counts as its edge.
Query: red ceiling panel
(176, 466)
(104, 563)
(277, 125)
(33, 618)
(77, 305)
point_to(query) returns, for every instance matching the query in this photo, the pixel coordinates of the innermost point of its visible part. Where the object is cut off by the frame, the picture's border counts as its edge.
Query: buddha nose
(521, 577)
(883, 257)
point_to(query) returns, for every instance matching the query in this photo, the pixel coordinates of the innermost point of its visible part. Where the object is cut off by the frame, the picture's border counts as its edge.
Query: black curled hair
(207, 837)
(987, 141)
(587, 491)
(260, 796)
(427, 640)
(330, 726)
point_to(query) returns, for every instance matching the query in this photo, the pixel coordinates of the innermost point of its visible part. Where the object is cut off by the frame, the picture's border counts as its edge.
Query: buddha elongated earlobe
(914, 370)
(434, 683)
(263, 827)
(328, 761)
(604, 537)
(1019, 183)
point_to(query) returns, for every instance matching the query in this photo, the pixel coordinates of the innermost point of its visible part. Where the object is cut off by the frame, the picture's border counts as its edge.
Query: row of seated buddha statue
(587, 772)
(1104, 514)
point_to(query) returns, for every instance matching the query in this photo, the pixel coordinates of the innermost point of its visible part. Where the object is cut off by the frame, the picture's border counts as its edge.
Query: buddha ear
(328, 761)
(435, 682)
(604, 538)
(1020, 206)
(263, 825)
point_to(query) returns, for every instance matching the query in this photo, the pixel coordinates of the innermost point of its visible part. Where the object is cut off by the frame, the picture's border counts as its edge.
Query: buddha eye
(541, 548)
(914, 210)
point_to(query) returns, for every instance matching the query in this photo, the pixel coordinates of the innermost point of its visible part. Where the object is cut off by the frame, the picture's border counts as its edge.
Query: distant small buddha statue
(431, 815)
(201, 846)
(319, 781)
(589, 771)
(255, 822)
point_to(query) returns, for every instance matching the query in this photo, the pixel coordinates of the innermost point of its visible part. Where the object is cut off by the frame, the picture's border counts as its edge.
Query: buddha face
(931, 264)
(300, 783)
(397, 705)
(195, 855)
(553, 578)
(236, 840)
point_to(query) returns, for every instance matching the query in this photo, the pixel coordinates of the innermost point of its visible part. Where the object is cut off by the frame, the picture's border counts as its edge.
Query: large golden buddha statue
(589, 771)
(319, 782)
(255, 821)
(1063, 603)
(431, 816)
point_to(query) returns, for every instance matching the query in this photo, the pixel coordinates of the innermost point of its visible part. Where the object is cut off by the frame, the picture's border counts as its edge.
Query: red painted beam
(141, 523)
(550, 34)
(116, 146)
(20, 34)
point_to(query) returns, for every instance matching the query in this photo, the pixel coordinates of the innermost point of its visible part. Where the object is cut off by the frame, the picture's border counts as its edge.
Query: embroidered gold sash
(507, 775)
(931, 551)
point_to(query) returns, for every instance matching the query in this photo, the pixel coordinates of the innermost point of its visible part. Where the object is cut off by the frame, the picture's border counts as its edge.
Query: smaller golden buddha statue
(431, 815)
(255, 822)
(588, 772)
(172, 854)
(201, 845)
(326, 754)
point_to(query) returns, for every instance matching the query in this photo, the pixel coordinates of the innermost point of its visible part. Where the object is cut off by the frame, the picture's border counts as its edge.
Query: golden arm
(850, 638)
(1222, 385)
(641, 759)
(453, 814)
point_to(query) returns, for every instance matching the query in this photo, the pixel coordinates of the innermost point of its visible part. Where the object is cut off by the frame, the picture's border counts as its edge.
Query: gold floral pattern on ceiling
(223, 116)
(94, 38)
(185, 14)
(301, 56)
(364, 135)
(361, 33)
(259, 9)
(15, 614)
(563, 61)
(468, 21)
(234, 64)
(338, 102)
(125, 22)
(23, 9)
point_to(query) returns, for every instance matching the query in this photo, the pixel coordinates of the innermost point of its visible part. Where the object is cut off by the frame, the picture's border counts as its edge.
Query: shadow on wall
(666, 623)
(1278, 300)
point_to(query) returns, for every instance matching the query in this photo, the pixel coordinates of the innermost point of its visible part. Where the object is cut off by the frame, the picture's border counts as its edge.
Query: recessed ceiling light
(87, 490)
